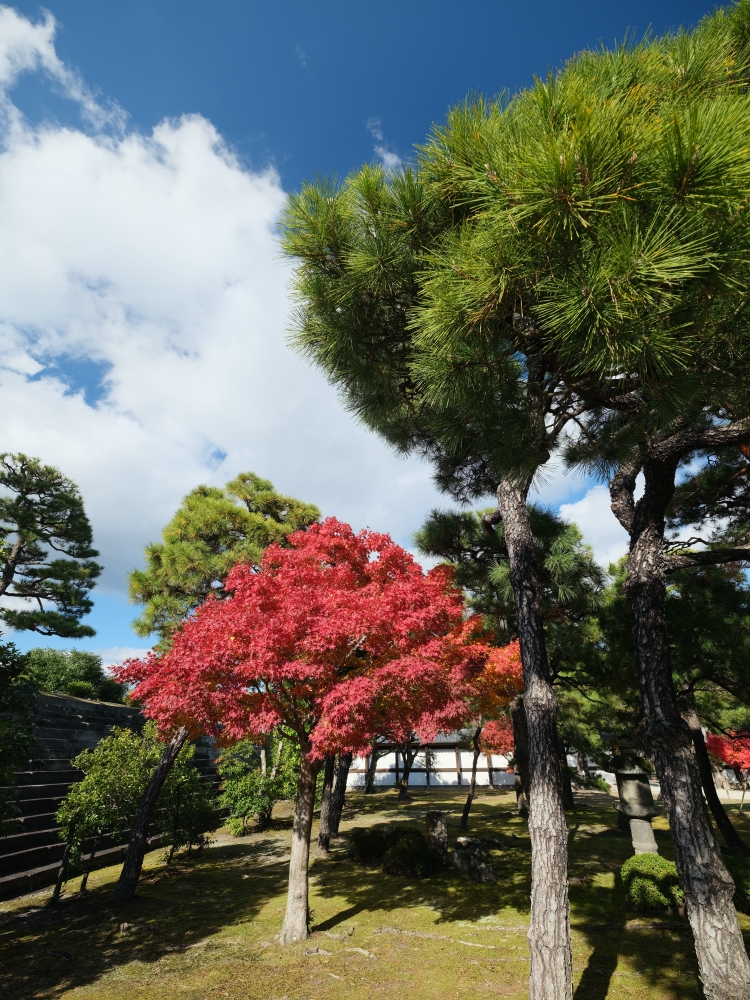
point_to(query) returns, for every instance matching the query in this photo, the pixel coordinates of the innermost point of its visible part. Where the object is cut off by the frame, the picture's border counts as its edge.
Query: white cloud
(155, 257)
(390, 160)
(600, 528)
(115, 655)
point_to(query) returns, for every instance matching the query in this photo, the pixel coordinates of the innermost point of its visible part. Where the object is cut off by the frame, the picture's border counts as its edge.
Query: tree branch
(709, 557)
(694, 438)
(621, 490)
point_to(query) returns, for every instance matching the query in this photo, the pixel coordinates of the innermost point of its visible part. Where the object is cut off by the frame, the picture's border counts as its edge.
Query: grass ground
(204, 927)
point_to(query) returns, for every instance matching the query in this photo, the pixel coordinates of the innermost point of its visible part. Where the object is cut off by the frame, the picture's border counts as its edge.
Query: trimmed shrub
(651, 883)
(409, 856)
(739, 869)
(368, 844)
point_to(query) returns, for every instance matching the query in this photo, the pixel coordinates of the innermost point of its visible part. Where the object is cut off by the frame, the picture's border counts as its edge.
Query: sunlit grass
(205, 926)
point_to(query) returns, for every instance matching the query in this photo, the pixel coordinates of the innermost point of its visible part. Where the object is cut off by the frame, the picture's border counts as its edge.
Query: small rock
(473, 863)
(367, 954)
(318, 951)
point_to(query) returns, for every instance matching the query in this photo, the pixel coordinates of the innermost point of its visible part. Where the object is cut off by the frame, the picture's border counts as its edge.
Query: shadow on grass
(47, 951)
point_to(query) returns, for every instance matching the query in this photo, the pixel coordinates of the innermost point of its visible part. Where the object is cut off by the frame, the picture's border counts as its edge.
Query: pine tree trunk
(551, 976)
(521, 755)
(473, 784)
(708, 887)
(324, 830)
(295, 927)
(339, 792)
(731, 838)
(131, 868)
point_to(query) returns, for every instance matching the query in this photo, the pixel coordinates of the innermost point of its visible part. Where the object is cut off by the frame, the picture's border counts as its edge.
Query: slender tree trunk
(567, 788)
(550, 975)
(62, 871)
(295, 927)
(521, 755)
(708, 887)
(403, 785)
(324, 830)
(370, 779)
(731, 838)
(583, 766)
(339, 792)
(131, 868)
(87, 870)
(473, 785)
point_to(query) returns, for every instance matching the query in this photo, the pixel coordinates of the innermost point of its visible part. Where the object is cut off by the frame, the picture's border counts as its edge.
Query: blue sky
(146, 151)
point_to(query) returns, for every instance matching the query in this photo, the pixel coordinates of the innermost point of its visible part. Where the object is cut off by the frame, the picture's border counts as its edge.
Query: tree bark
(521, 755)
(731, 838)
(550, 976)
(473, 784)
(87, 869)
(370, 779)
(324, 830)
(708, 887)
(567, 788)
(296, 919)
(408, 752)
(131, 868)
(339, 792)
(62, 871)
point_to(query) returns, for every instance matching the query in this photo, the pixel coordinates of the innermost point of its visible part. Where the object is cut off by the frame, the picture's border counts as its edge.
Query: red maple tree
(335, 639)
(732, 750)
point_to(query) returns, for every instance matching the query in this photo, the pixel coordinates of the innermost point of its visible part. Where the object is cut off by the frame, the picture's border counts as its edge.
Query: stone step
(34, 857)
(25, 840)
(23, 824)
(35, 807)
(69, 776)
(47, 790)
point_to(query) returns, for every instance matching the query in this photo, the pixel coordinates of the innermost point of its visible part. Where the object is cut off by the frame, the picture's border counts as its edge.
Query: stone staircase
(63, 726)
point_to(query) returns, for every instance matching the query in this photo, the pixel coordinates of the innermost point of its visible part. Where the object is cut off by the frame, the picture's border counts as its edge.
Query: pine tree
(212, 531)
(41, 510)
(574, 258)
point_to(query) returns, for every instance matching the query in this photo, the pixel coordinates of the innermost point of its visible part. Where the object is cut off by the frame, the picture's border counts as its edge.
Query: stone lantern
(636, 801)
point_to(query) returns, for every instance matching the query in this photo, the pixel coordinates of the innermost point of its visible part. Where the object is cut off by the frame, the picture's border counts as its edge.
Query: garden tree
(707, 612)
(76, 672)
(326, 798)
(343, 763)
(575, 257)
(488, 696)
(571, 590)
(105, 802)
(733, 750)
(334, 638)
(252, 785)
(41, 510)
(17, 699)
(211, 532)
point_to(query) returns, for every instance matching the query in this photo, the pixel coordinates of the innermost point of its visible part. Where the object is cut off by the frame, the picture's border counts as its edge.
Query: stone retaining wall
(63, 727)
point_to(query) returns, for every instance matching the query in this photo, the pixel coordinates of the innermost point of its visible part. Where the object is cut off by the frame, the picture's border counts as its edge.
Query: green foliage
(651, 883)
(368, 844)
(41, 510)
(739, 869)
(409, 856)
(116, 773)
(212, 531)
(75, 672)
(549, 258)
(17, 698)
(247, 792)
(401, 850)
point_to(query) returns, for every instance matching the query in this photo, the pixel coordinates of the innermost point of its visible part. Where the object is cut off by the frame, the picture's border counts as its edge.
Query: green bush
(17, 698)
(368, 844)
(409, 856)
(249, 794)
(651, 883)
(75, 672)
(402, 851)
(739, 869)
